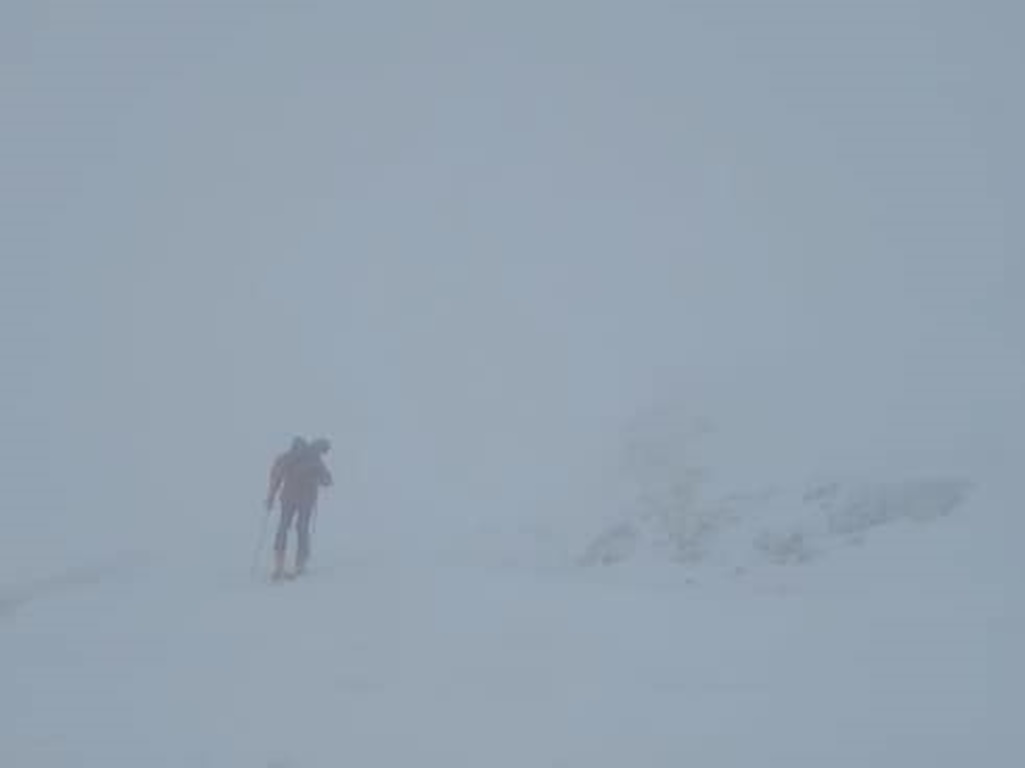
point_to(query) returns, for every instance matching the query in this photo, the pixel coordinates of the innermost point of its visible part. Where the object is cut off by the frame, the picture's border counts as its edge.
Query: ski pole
(259, 544)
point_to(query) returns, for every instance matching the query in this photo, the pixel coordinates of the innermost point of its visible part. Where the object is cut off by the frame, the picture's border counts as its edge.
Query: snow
(902, 652)
(775, 525)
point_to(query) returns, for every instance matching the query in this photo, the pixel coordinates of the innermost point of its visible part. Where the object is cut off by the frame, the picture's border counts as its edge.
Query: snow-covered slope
(904, 652)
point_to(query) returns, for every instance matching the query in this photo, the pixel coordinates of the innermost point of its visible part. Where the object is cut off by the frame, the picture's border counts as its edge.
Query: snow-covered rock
(776, 526)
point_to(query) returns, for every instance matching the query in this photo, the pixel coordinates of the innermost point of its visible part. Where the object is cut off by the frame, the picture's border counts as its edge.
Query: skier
(299, 474)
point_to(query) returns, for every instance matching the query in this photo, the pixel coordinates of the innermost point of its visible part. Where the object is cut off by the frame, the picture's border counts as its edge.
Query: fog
(471, 242)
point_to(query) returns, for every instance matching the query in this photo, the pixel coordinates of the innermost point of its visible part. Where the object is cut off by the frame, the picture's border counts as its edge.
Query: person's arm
(325, 475)
(277, 477)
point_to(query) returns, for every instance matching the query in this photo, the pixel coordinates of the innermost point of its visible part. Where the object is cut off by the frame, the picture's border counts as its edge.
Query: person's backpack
(304, 470)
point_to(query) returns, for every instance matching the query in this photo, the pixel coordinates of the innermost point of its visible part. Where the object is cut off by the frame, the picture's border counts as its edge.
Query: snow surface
(903, 652)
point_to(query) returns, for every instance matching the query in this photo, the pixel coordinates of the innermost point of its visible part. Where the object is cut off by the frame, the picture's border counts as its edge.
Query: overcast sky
(468, 241)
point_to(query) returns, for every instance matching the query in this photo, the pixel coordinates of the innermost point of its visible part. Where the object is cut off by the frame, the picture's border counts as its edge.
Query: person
(298, 474)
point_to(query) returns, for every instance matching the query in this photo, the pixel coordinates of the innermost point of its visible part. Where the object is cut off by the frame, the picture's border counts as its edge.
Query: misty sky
(468, 241)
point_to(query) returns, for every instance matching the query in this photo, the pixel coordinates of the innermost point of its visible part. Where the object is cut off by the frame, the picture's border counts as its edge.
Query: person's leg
(288, 512)
(303, 531)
